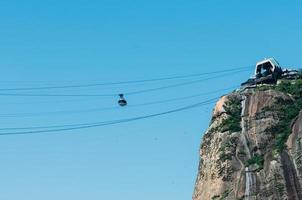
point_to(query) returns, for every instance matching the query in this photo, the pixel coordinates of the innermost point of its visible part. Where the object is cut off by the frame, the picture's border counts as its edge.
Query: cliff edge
(252, 149)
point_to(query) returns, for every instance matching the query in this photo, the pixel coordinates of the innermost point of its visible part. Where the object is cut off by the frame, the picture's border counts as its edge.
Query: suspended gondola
(122, 101)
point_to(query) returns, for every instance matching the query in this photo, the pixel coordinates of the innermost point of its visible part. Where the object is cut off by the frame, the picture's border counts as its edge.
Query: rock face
(252, 149)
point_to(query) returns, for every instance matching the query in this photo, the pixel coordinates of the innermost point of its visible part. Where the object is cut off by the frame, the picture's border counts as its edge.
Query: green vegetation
(233, 110)
(282, 130)
(215, 197)
(265, 87)
(232, 122)
(225, 146)
(279, 188)
(224, 156)
(287, 111)
(291, 87)
(224, 195)
(241, 152)
(229, 146)
(256, 159)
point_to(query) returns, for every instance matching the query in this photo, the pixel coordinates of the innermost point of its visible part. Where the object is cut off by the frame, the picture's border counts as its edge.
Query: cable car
(268, 67)
(122, 101)
(267, 71)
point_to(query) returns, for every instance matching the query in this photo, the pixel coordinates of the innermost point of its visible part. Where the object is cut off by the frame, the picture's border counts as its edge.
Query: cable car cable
(16, 115)
(180, 84)
(80, 124)
(127, 93)
(108, 122)
(121, 82)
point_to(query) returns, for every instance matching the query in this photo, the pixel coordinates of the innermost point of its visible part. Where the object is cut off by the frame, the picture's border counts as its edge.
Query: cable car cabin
(122, 101)
(267, 71)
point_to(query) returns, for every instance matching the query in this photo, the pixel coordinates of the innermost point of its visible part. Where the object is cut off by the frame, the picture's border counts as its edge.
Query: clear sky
(78, 42)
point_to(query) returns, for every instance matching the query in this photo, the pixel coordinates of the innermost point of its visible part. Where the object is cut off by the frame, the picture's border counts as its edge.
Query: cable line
(99, 124)
(121, 82)
(84, 124)
(180, 84)
(15, 115)
(127, 93)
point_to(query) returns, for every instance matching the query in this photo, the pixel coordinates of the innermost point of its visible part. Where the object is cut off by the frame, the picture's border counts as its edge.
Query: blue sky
(77, 42)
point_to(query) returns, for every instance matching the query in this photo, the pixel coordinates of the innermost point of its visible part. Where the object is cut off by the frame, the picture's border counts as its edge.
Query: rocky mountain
(252, 149)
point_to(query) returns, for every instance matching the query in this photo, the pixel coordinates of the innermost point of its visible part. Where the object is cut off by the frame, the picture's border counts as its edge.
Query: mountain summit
(252, 149)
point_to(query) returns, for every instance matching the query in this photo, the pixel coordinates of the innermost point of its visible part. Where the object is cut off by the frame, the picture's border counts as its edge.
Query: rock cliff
(252, 149)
